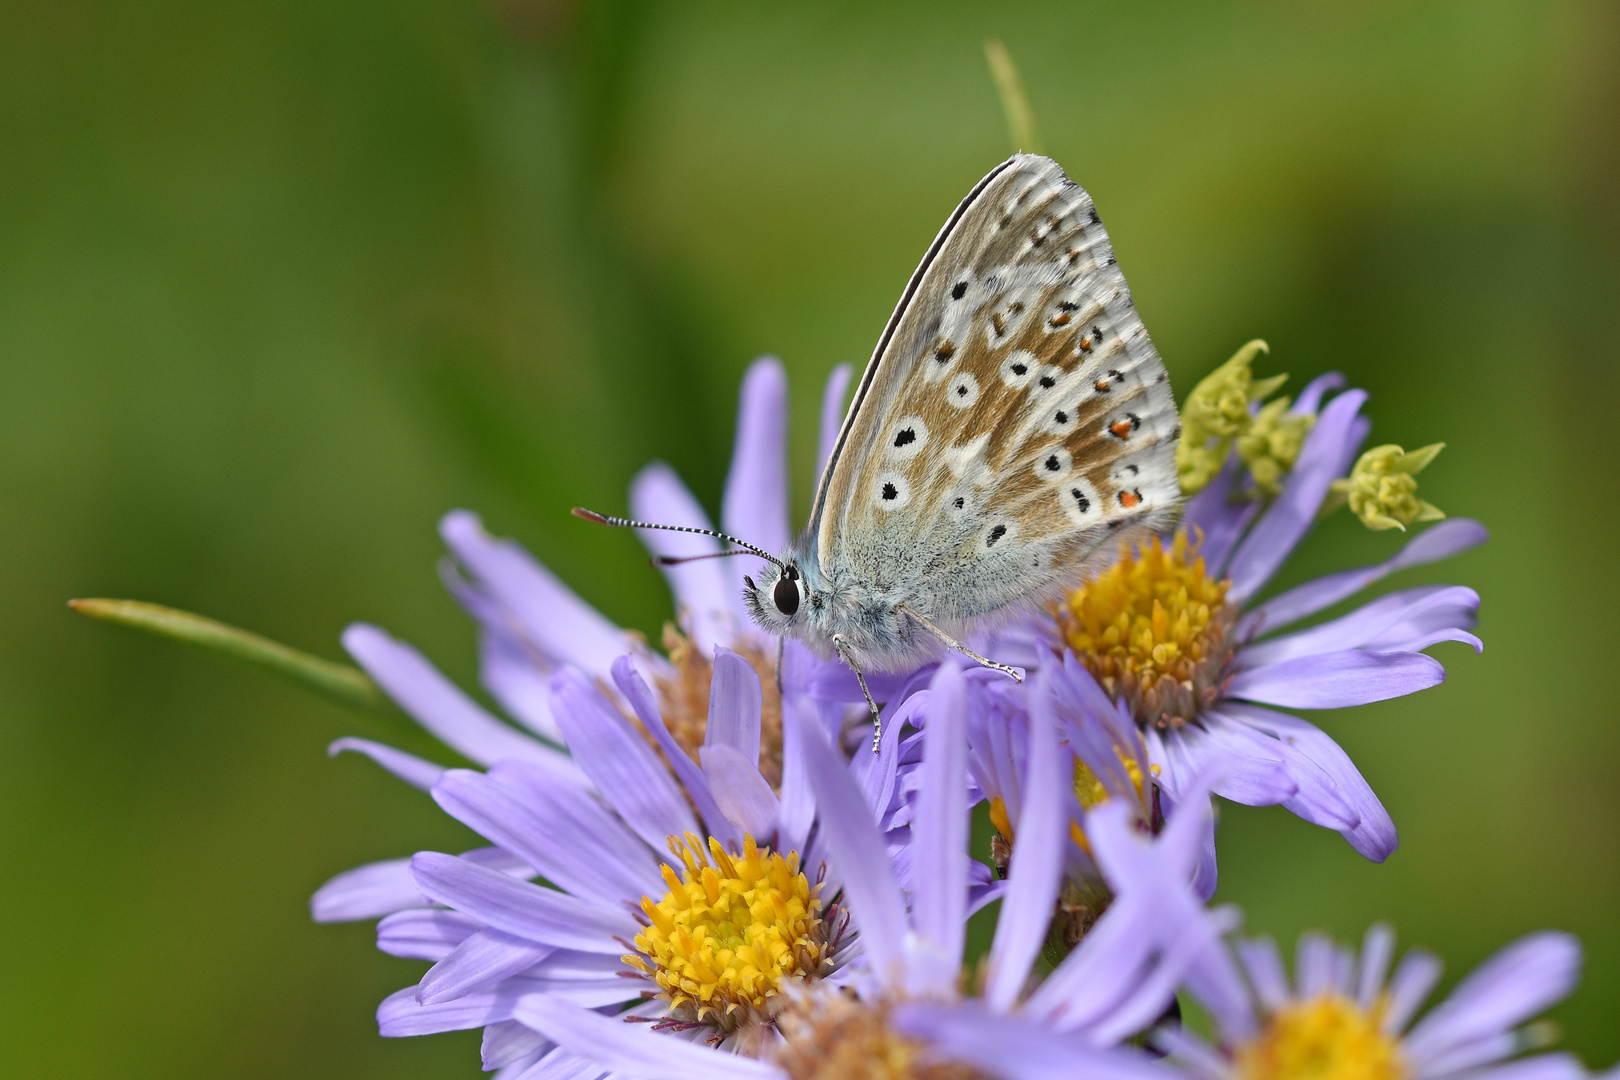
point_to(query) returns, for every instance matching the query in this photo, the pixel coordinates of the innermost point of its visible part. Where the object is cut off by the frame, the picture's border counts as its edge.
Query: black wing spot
(995, 534)
(959, 290)
(958, 502)
(1093, 215)
(1019, 369)
(1132, 469)
(1080, 499)
(944, 353)
(961, 391)
(1061, 417)
(890, 492)
(1047, 382)
(905, 438)
(1069, 305)
(1053, 464)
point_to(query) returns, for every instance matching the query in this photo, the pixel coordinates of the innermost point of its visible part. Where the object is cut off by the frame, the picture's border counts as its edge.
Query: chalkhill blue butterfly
(1014, 418)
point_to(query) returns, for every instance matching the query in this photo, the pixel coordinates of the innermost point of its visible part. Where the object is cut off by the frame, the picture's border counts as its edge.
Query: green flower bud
(1217, 412)
(1382, 488)
(1271, 445)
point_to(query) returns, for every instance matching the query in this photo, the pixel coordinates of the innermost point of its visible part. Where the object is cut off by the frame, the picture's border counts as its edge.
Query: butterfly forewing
(1014, 417)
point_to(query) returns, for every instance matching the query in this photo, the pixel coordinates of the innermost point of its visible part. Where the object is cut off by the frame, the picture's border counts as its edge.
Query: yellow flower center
(1326, 1038)
(833, 1037)
(730, 933)
(1153, 629)
(683, 698)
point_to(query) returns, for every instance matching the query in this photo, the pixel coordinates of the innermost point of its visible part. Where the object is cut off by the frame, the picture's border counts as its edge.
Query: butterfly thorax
(826, 610)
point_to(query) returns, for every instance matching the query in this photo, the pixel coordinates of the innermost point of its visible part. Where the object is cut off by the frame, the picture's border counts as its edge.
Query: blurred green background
(281, 283)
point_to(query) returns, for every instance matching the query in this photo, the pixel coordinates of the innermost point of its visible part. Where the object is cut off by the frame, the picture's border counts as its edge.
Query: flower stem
(1010, 85)
(343, 683)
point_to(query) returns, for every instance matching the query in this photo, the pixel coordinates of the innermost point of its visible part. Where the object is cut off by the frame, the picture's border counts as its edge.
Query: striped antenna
(626, 523)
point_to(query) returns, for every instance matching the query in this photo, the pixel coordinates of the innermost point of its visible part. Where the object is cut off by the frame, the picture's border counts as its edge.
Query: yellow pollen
(833, 1037)
(731, 932)
(1326, 1038)
(1153, 629)
(683, 698)
(1089, 790)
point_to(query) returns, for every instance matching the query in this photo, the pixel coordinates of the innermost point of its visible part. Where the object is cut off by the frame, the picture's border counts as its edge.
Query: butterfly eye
(786, 595)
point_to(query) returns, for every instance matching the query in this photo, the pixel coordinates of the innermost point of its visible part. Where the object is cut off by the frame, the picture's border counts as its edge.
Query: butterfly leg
(781, 650)
(847, 657)
(961, 648)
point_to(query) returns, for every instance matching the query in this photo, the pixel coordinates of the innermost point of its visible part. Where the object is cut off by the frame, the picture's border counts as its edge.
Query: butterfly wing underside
(1013, 418)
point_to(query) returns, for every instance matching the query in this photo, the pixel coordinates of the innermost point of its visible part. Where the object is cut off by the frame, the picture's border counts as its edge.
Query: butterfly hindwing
(1014, 417)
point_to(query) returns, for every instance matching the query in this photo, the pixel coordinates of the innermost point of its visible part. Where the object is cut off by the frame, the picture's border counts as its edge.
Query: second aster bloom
(1174, 630)
(1345, 1017)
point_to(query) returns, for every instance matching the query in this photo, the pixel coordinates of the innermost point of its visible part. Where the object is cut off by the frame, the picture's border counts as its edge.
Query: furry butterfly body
(1013, 419)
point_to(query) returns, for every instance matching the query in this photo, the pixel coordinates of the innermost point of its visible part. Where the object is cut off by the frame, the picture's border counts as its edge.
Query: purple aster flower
(900, 1005)
(1173, 631)
(707, 776)
(689, 898)
(1345, 1015)
(1110, 765)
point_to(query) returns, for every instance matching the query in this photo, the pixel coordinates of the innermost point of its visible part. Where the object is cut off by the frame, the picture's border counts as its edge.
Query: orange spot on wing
(1121, 428)
(1101, 385)
(1128, 499)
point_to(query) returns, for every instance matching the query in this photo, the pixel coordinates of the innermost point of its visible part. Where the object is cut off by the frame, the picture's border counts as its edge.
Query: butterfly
(1014, 418)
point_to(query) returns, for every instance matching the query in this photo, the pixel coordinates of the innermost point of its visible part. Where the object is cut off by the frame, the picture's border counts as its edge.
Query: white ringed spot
(1019, 368)
(962, 391)
(890, 491)
(1080, 501)
(907, 438)
(1053, 464)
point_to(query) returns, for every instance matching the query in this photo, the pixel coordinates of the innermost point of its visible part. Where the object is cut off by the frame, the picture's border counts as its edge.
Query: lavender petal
(631, 1050)
(509, 1042)
(1374, 835)
(1414, 979)
(1388, 621)
(735, 706)
(424, 933)
(556, 622)
(537, 914)
(1014, 1048)
(415, 771)
(618, 760)
(548, 827)
(939, 848)
(703, 590)
(1290, 515)
(755, 505)
(440, 706)
(631, 685)
(1337, 680)
(739, 790)
(1439, 541)
(1520, 981)
(832, 413)
(1037, 859)
(479, 962)
(858, 857)
(400, 1014)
